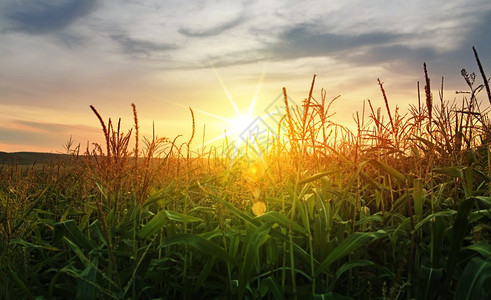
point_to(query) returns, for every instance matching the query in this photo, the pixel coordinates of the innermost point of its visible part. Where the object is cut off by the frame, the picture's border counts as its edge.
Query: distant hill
(30, 158)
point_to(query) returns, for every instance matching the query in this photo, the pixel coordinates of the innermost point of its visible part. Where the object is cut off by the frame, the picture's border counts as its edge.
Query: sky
(57, 57)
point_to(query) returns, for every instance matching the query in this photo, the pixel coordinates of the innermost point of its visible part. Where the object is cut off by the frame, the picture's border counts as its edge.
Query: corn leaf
(70, 229)
(458, 233)
(282, 220)
(482, 248)
(473, 279)
(348, 245)
(388, 169)
(199, 243)
(453, 172)
(256, 240)
(443, 213)
(159, 220)
(353, 264)
(429, 279)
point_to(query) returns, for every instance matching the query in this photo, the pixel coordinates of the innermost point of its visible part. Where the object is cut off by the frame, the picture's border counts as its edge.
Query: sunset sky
(57, 57)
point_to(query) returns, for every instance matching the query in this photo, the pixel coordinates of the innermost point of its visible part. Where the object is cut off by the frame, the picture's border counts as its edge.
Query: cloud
(43, 127)
(135, 46)
(388, 53)
(44, 16)
(211, 31)
(17, 135)
(303, 41)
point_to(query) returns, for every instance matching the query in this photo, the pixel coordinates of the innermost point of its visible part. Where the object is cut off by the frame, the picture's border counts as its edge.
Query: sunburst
(238, 127)
(241, 127)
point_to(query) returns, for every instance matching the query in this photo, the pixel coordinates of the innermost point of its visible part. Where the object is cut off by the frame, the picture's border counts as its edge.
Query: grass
(397, 209)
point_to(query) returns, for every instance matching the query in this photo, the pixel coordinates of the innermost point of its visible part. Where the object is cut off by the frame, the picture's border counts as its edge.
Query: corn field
(398, 208)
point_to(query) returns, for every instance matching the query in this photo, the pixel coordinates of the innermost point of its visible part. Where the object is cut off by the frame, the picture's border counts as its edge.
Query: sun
(242, 124)
(241, 128)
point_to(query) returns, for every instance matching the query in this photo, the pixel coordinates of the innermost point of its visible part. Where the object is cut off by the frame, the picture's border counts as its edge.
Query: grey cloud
(385, 53)
(38, 17)
(479, 36)
(134, 46)
(301, 41)
(450, 64)
(211, 31)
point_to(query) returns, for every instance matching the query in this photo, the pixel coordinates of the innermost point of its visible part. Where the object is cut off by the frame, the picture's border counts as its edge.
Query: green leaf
(330, 296)
(154, 225)
(205, 272)
(453, 172)
(443, 213)
(199, 243)
(458, 233)
(372, 218)
(429, 279)
(319, 175)
(348, 245)
(159, 220)
(76, 274)
(282, 220)
(302, 255)
(85, 290)
(385, 167)
(353, 264)
(29, 210)
(256, 240)
(273, 288)
(486, 201)
(471, 282)
(20, 283)
(85, 260)
(31, 245)
(481, 247)
(70, 229)
(154, 197)
(178, 217)
(239, 213)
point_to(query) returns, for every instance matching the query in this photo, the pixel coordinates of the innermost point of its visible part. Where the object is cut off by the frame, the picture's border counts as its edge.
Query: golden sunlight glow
(241, 124)
(241, 128)
(258, 208)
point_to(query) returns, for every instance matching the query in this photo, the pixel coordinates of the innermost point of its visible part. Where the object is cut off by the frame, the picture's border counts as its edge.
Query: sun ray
(200, 111)
(237, 127)
(211, 141)
(257, 91)
(225, 89)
